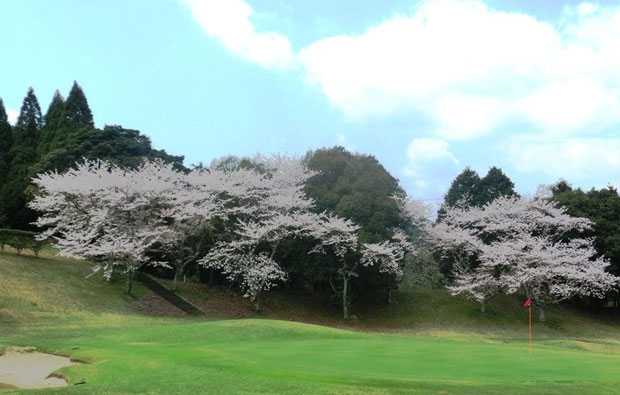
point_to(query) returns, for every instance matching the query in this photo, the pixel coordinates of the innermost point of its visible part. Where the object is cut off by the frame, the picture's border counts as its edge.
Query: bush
(20, 240)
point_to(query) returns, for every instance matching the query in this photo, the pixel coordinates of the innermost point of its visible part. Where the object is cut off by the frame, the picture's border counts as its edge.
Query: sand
(26, 368)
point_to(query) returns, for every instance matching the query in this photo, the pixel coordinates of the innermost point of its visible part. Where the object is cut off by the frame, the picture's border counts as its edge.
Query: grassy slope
(421, 311)
(49, 304)
(49, 291)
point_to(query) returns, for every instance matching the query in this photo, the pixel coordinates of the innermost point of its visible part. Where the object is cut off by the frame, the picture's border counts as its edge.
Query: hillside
(47, 292)
(54, 291)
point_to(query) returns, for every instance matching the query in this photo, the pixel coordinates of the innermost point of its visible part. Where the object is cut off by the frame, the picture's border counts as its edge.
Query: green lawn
(49, 304)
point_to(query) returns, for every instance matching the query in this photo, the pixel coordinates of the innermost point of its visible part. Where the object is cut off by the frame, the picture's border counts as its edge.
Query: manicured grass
(49, 304)
(278, 356)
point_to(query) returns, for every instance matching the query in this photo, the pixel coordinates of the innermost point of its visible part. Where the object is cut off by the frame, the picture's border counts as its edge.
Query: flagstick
(529, 308)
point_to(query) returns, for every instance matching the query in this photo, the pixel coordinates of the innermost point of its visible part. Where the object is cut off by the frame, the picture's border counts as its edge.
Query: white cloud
(576, 159)
(12, 116)
(229, 22)
(587, 8)
(468, 68)
(472, 69)
(430, 166)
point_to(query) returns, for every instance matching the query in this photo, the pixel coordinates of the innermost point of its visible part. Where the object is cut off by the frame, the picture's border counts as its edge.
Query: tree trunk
(211, 276)
(256, 304)
(541, 314)
(483, 306)
(128, 282)
(345, 301)
(175, 281)
(389, 296)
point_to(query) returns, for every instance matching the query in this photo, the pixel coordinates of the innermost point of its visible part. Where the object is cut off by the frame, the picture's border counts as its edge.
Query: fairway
(127, 352)
(276, 356)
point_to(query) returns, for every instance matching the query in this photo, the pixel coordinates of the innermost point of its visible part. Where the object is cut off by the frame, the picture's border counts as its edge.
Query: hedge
(20, 240)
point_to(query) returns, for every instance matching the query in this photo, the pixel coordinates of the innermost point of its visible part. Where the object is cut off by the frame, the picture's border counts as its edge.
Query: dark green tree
(602, 207)
(23, 154)
(29, 122)
(6, 140)
(356, 187)
(465, 189)
(124, 147)
(470, 190)
(77, 112)
(494, 185)
(51, 123)
(65, 135)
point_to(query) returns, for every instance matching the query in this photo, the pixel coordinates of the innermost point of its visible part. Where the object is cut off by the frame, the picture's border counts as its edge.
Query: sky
(427, 87)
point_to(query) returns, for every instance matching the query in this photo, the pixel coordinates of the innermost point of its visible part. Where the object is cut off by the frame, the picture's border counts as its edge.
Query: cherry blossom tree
(389, 257)
(201, 198)
(416, 212)
(255, 272)
(264, 207)
(523, 244)
(109, 215)
(454, 240)
(339, 236)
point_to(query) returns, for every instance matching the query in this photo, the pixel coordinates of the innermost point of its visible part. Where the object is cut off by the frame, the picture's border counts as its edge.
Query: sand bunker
(24, 368)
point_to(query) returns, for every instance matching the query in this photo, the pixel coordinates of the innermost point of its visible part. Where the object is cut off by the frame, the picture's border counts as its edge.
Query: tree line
(54, 141)
(121, 219)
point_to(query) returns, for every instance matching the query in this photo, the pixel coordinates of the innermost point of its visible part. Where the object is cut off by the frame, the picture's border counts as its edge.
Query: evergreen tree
(6, 140)
(356, 187)
(77, 112)
(494, 185)
(469, 189)
(5, 159)
(52, 123)
(29, 122)
(23, 156)
(55, 142)
(464, 189)
(601, 207)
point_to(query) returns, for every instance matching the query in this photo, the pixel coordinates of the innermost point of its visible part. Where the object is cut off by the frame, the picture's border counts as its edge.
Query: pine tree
(77, 112)
(23, 154)
(6, 140)
(465, 189)
(29, 122)
(494, 185)
(66, 122)
(51, 123)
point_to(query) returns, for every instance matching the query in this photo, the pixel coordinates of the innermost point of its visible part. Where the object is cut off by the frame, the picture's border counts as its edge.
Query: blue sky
(427, 87)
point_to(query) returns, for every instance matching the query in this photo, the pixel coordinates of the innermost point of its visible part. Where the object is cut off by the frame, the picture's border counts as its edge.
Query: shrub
(20, 240)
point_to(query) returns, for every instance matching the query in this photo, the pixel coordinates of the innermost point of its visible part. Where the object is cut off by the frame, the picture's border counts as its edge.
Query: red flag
(527, 303)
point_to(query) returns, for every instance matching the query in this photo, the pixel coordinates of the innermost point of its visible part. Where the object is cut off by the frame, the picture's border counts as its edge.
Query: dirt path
(24, 368)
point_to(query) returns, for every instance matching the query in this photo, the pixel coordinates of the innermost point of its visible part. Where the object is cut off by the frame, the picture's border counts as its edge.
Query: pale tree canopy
(523, 244)
(264, 206)
(110, 215)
